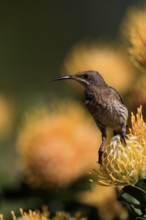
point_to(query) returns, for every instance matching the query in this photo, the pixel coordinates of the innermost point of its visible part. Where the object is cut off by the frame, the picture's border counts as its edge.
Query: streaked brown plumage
(104, 103)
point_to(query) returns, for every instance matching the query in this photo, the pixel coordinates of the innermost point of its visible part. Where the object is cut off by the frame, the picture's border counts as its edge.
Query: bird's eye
(86, 76)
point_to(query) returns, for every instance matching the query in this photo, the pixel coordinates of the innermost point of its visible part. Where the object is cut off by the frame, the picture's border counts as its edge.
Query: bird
(104, 104)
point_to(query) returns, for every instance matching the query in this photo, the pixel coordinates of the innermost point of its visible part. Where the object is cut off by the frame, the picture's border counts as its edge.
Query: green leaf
(129, 198)
(134, 195)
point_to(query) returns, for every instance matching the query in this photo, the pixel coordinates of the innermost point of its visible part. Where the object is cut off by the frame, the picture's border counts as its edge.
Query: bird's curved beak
(65, 77)
(76, 77)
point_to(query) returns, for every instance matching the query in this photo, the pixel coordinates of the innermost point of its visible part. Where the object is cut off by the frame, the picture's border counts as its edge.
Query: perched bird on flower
(125, 165)
(104, 103)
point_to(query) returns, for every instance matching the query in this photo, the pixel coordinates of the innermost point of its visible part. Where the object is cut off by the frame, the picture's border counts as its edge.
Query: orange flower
(134, 31)
(57, 147)
(138, 127)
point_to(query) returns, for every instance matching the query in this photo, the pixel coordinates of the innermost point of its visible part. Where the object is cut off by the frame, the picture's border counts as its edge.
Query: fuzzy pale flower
(58, 146)
(125, 165)
(105, 200)
(110, 60)
(134, 31)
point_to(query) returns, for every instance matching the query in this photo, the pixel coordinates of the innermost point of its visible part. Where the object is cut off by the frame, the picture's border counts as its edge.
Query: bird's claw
(100, 153)
(123, 139)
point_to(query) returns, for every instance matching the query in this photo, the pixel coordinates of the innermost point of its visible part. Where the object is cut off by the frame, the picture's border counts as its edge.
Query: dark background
(35, 36)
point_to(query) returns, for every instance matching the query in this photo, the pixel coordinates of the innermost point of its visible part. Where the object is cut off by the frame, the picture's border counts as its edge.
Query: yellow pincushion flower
(125, 165)
(138, 127)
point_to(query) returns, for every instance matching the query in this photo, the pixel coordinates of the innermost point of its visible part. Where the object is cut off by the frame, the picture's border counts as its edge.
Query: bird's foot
(123, 139)
(100, 153)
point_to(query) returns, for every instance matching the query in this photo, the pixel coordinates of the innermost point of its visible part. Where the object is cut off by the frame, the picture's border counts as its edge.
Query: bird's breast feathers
(106, 108)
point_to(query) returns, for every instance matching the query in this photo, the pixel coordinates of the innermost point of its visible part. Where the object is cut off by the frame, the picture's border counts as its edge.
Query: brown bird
(104, 103)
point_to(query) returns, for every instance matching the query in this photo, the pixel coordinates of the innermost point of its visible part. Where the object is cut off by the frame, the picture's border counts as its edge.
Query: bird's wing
(117, 94)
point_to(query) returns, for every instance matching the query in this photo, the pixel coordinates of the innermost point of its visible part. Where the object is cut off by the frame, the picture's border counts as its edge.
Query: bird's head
(86, 78)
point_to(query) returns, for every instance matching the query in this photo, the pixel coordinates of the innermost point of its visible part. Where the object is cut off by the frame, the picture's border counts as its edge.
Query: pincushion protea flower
(45, 215)
(125, 165)
(138, 127)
